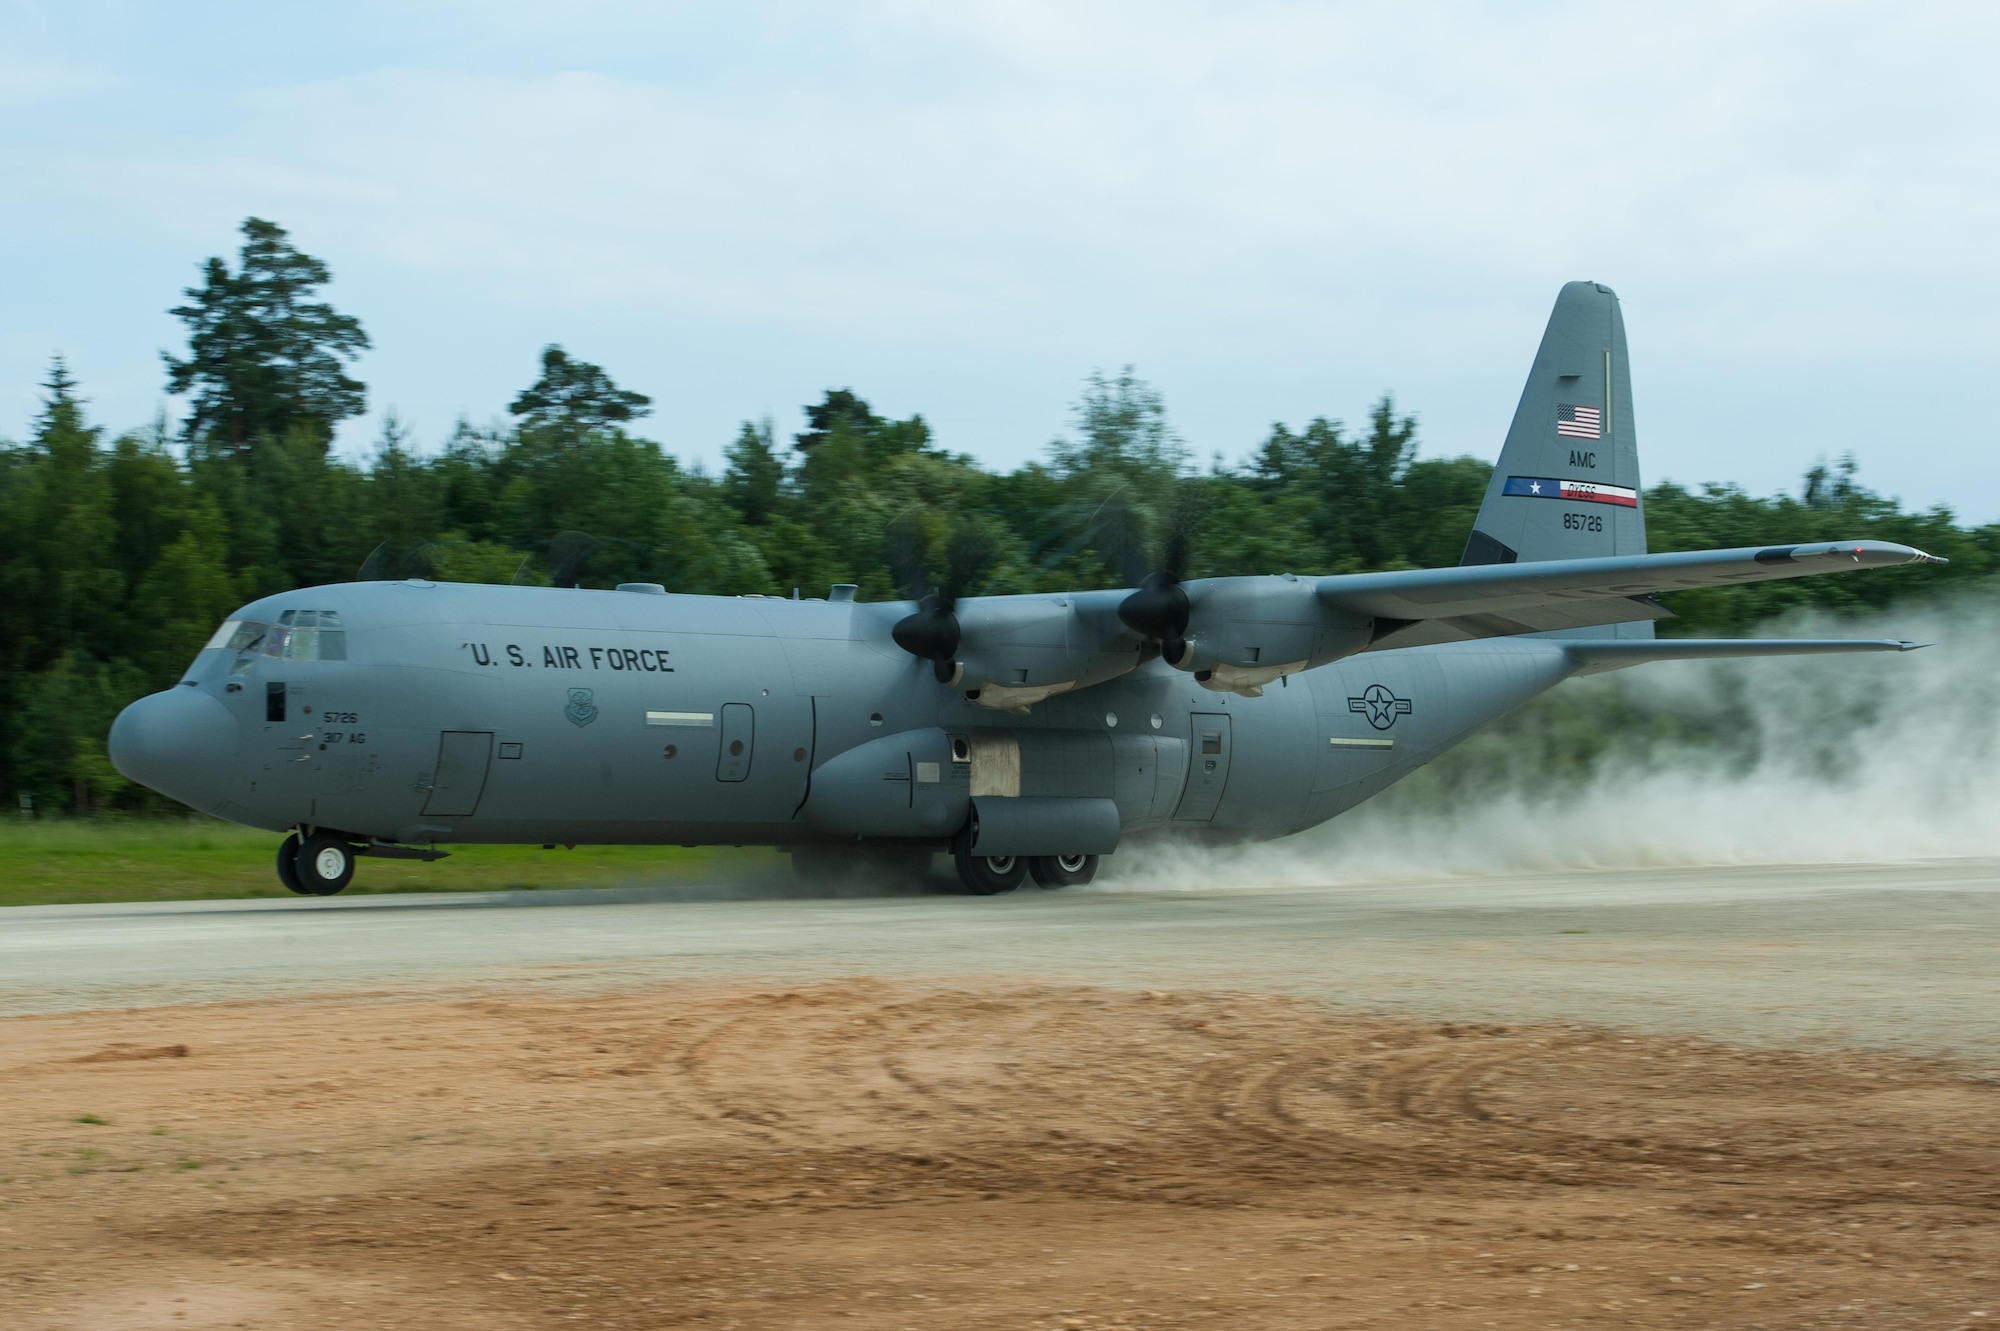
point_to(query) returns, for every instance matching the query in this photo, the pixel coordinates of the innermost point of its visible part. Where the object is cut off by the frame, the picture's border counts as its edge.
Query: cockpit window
(307, 635)
(240, 635)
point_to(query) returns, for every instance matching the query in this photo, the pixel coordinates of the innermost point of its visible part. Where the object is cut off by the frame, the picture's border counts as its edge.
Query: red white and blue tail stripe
(1582, 492)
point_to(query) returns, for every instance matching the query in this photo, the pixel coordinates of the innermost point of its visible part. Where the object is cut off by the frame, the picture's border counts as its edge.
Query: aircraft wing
(1418, 606)
(1596, 657)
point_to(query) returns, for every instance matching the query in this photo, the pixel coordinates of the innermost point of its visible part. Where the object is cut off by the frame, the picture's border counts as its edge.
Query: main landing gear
(1063, 870)
(863, 868)
(990, 875)
(318, 866)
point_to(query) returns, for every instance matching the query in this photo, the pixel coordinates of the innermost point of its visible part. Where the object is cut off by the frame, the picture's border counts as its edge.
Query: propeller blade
(1159, 610)
(932, 632)
(567, 551)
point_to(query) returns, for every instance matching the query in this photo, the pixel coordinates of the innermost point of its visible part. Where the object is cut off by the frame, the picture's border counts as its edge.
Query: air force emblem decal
(1381, 706)
(582, 711)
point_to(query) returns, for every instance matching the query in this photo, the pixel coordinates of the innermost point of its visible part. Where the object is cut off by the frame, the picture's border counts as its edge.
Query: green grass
(62, 861)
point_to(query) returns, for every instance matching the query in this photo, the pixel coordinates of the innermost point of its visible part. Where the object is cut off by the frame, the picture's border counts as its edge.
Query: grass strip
(65, 861)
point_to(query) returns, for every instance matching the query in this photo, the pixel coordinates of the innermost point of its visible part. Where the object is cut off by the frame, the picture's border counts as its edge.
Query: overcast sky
(1274, 211)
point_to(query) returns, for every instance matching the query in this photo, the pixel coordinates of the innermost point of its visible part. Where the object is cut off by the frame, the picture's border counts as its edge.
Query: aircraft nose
(181, 742)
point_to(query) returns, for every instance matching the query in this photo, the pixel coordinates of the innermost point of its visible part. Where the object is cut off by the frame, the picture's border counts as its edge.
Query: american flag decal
(1574, 422)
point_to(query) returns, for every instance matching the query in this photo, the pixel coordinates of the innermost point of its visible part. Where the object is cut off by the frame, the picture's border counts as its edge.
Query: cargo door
(463, 757)
(1208, 768)
(739, 740)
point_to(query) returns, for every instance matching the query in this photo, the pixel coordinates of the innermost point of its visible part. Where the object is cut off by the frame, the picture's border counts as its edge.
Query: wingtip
(1878, 553)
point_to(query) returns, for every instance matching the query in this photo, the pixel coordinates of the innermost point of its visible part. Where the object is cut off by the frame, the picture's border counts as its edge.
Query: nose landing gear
(319, 866)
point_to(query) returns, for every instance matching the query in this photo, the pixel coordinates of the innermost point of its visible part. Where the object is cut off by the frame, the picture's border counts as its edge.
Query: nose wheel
(318, 866)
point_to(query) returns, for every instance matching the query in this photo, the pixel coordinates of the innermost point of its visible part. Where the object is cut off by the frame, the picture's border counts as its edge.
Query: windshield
(239, 635)
(307, 635)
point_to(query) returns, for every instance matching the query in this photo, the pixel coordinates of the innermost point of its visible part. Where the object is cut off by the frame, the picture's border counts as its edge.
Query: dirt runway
(875, 1154)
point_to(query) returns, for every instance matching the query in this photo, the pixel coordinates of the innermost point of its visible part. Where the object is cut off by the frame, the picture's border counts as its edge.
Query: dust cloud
(1838, 759)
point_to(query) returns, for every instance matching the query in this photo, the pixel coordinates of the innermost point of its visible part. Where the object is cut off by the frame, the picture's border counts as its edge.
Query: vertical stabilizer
(1567, 484)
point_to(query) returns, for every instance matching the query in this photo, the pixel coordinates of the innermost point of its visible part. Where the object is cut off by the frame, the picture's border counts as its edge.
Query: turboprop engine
(1011, 653)
(1235, 635)
(1238, 634)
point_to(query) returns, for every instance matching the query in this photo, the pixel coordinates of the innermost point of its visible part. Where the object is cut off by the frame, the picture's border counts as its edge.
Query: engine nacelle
(1018, 651)
(1244, 633)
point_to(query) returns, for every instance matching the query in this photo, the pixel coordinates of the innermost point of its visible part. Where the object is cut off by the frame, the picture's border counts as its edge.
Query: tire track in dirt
(1005, 1156)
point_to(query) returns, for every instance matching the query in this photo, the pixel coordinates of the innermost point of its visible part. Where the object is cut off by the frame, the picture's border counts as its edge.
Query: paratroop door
(1208, 768)
(739, 734)
(463, 756)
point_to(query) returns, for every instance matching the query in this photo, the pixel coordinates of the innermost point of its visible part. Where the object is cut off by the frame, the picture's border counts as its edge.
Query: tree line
(120, 554)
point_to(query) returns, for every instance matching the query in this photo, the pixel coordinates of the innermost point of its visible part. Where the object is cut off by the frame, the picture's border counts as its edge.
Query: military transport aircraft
(1026, 734)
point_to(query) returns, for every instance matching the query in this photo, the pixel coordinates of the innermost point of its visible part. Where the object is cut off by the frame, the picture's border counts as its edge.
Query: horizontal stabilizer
(1616, 654)
(1417, 606)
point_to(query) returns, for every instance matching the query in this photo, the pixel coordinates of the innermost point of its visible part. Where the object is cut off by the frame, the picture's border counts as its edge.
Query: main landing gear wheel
(324, 865)
(288, 864)
(1063, 870)
(987, 875)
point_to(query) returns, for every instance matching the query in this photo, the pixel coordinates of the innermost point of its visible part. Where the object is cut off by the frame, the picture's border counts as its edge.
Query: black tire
(324, 864)
(288, 865)
(987, 875)
(1063, 870)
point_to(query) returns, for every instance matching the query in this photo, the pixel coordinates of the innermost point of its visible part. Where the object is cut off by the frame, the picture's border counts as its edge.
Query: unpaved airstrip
(1733, 1097)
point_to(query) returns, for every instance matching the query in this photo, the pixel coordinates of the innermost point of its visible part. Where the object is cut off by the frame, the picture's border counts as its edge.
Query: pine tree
(574, 397)
(264, 358)
(755, 476)
(66, 566)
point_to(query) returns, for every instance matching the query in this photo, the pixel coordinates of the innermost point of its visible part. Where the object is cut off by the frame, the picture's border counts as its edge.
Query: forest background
(119, 554)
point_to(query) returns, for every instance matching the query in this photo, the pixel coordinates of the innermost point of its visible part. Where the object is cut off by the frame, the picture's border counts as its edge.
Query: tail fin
(1568, 480)
(1567, 484)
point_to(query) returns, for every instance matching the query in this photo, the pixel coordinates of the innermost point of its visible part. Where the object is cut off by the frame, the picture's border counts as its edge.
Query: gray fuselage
(535, 715)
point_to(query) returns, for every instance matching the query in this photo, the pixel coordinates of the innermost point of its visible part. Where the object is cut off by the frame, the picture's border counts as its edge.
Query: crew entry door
(1208, 767)
(463, 757)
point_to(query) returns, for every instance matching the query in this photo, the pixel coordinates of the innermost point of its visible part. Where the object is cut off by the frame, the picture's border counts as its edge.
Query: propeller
(566, 553)
(387, 563)
(932, 632)
(1159, 609)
